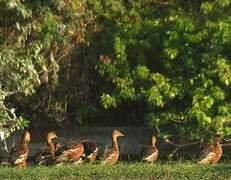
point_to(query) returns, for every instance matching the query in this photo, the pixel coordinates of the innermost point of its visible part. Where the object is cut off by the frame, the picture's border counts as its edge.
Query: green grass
(171, 170)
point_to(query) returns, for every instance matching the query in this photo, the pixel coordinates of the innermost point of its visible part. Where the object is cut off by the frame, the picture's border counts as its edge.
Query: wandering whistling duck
(90, 150)
(47, 154)
(19, 153)
(111, 155)
(70, 153)
(151, 152)
(212, 153)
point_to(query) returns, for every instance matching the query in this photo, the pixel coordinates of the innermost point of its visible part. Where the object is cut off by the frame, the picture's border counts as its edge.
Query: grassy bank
(173, 170)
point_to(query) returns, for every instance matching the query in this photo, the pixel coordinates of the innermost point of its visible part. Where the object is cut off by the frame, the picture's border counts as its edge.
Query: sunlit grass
(170, 170)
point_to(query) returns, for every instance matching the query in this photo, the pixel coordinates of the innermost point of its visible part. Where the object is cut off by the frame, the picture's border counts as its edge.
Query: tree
(35, 37)
(173, 60)
(166, 61)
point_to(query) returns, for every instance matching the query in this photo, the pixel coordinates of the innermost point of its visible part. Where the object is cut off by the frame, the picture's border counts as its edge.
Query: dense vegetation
(172, 170)
(164, 63)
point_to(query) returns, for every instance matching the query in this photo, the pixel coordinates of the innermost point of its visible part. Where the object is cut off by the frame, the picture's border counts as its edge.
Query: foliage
(35, 36)
(172, 57)
(165, 63)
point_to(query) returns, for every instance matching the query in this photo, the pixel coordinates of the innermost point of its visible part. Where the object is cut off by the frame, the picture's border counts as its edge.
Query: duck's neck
(216, 143)
(217, 148)
(153, 143)
(51, 146)
(115, 144)
(24, 143)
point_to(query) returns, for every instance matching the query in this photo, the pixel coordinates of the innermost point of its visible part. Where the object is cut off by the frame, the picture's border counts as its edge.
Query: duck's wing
(150, 154)
(206, 149)
(43, 155)
(18, 154)
(72, 147)
(207, 154)
(208, 159)
(107, 152)
(69, 153)
(109, 155)
(90, 150)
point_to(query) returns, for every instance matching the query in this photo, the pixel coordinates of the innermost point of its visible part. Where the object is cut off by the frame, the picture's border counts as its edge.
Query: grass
(171, 170)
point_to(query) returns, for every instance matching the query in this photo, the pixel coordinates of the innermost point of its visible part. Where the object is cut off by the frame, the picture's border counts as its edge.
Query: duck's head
(51, 135)
(116, 133)
(154, 140)
(26, 136)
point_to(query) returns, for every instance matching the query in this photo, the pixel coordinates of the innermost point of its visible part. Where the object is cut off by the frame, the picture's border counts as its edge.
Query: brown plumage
(211, 153)
(111, 155)
(46, 155)
(70, 153)
(19, 153)
(151, 152)
(90, 150)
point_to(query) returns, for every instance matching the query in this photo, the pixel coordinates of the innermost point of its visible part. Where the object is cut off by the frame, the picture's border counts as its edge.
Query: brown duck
(212, 152)
(19, 153)
(70, 153)
(46, 155)
(111, 155)
(151, 152)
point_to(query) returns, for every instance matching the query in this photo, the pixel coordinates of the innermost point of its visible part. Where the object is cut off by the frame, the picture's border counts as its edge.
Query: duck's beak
(122, 134)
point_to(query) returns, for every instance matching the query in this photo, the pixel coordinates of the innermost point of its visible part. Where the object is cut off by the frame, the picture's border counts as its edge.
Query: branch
(227, 142)
(181, 145)
(226, 145)
(178, 146)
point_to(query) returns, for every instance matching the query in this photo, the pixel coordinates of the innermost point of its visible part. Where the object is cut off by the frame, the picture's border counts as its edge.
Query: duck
(111, 155)
(211, 153)
(19, 153)
(47, 154)
(91, 150)
(69, 153)
(150, 153)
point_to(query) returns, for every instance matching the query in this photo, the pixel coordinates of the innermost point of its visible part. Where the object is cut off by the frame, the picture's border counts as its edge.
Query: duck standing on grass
(212, 153)
(19, 153)
(111, 155)
(150, 153)
(47, 154)
(70, 153)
